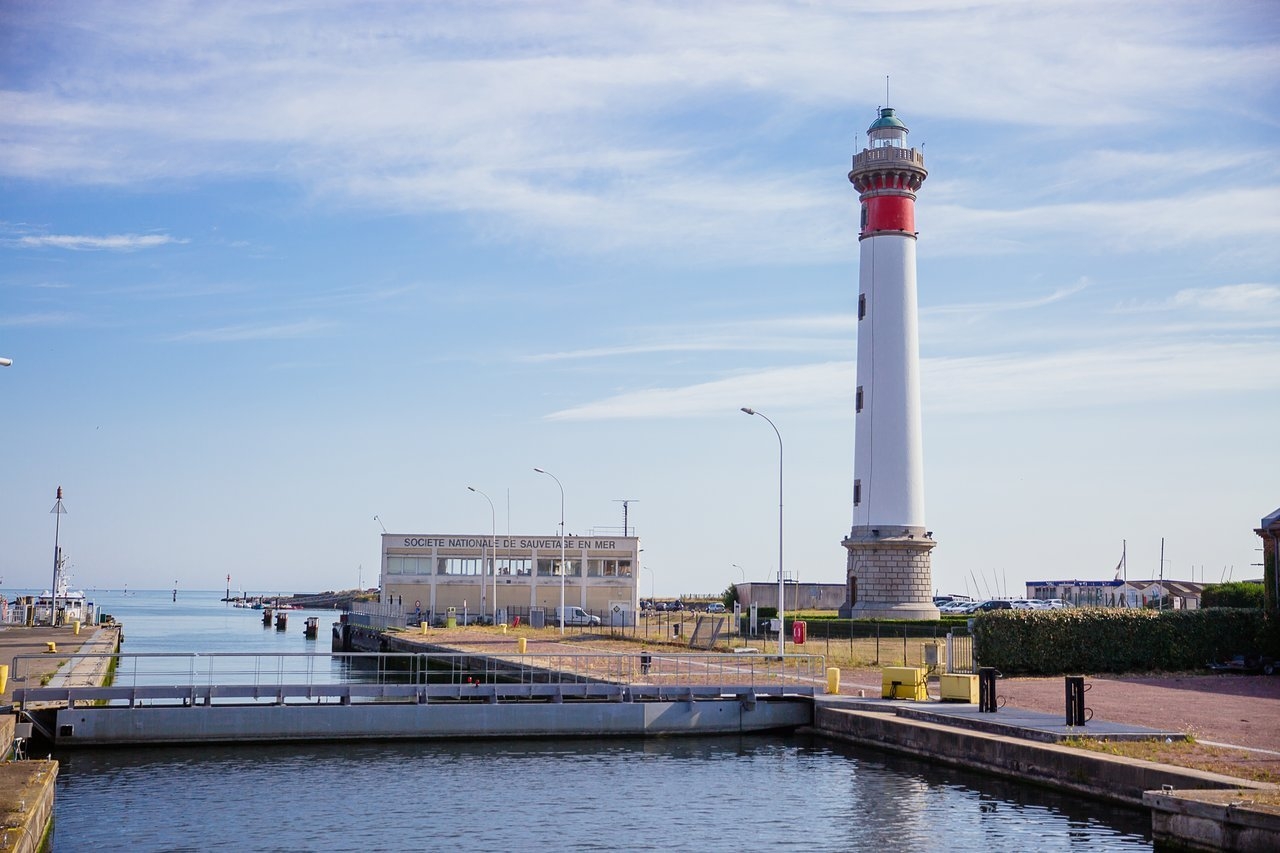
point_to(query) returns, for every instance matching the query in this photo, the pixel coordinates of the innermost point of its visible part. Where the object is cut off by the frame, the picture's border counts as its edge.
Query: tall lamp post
(58, 511)
(493, 526)
(781, 599)
(563, 568)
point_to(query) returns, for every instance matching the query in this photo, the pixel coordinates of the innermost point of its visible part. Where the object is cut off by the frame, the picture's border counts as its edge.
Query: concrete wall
(1096, 774)
(800, 596)
(274, 723)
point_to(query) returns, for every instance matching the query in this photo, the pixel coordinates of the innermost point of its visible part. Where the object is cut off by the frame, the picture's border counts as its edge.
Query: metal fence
(271, 670)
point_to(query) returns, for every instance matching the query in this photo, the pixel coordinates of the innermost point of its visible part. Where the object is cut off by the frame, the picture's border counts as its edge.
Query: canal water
(733, 794)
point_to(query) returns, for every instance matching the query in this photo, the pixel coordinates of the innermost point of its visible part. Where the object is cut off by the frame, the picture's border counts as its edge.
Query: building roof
(887, 119)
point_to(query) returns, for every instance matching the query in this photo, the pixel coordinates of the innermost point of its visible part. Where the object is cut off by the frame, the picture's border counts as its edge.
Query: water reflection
(751, 793)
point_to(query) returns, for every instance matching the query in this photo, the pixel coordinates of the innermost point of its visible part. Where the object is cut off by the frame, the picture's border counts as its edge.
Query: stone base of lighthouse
(889, 574)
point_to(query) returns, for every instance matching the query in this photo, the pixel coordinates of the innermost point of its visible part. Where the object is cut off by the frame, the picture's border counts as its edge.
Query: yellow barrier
(521, 642)
(4, 676)
(833, 679)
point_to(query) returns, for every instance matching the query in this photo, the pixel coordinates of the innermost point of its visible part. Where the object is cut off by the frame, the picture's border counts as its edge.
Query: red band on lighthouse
(890, 213)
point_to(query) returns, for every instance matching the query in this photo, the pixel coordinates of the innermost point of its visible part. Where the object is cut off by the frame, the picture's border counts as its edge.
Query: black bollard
(987, 689)
(1075, 700)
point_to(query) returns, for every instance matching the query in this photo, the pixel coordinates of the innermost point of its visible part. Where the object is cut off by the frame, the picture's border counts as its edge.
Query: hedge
(1095, 640)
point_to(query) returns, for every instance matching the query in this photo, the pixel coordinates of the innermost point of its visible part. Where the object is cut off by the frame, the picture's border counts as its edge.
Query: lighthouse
(888, 574)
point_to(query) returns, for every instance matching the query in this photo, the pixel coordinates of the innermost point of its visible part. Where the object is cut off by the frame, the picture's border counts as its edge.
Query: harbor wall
(1107, 777)
(274, 723)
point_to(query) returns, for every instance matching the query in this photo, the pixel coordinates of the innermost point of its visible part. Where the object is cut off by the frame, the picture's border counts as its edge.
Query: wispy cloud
(1057, 295)
(540, 120)
(51, 318)
(1227, 299)
(84, 242)
(1067, 379)
(805, 334)
(231, 334)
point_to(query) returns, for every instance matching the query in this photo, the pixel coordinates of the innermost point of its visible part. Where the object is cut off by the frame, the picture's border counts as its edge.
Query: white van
(574, 617)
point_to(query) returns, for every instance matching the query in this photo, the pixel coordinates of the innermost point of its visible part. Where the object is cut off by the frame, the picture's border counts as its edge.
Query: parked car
(715, 607)
(995, 604)
(574, 617)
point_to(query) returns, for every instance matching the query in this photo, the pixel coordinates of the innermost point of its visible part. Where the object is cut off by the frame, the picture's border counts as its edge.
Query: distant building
(800, 596)
(436, 571)
(1178, 595)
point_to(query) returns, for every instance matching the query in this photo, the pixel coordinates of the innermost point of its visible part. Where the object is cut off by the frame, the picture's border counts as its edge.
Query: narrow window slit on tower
(857, 492)
(862, 305)
(857, 404)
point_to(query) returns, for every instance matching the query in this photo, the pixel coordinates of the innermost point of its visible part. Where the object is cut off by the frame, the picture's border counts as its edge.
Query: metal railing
(310, 674)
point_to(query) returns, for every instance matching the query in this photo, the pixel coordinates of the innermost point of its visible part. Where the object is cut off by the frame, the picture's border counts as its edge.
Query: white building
(479, 573)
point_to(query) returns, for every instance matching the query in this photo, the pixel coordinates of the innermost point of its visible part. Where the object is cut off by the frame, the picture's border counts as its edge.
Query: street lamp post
(652, 585)
(563, 568)
(493, 526)
(58, 511)
(781, 599)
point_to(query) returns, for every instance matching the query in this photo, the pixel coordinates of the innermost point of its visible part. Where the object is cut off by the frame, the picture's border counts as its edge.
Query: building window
(459, 566)
(520, 568)
(857, 400)
(857, 492)
(862, 305)
(863, 225)
(609, 568)
(549, 568)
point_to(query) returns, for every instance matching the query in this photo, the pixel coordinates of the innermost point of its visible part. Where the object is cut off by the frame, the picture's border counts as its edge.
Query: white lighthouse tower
(889, 574)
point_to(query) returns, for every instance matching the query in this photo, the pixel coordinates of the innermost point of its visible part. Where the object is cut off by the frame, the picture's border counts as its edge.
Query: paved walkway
(18, 640)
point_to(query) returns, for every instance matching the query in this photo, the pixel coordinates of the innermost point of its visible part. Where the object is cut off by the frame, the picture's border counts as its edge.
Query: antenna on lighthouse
(886, 90)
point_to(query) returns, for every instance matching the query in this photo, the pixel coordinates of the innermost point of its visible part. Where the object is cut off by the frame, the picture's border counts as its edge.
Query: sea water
(757, 793)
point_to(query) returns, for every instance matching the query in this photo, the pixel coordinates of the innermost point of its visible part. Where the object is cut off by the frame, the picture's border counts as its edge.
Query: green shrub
(1094, 640)
(1234, 594)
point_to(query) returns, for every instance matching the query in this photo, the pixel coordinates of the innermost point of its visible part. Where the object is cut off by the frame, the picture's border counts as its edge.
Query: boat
(68, 605)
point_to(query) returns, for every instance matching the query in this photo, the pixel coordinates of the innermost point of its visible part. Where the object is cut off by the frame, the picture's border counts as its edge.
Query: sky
(271, 269)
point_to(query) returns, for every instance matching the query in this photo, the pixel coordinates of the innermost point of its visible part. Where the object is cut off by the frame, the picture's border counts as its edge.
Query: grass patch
(1256, 767)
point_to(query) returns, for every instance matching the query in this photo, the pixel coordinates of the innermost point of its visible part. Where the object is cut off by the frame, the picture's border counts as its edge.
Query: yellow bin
(76, 626)
(4, 676)
(520, 644)
(424, 627)
(833, 679)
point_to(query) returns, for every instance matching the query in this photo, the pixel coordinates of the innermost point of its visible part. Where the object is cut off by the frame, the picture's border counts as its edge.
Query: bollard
(424, 627)
(76, 627)
(1075, 700)
(987, 689)
(520, 644)
(51, 647)
(4, 676)
(833, 679)
(504, 627)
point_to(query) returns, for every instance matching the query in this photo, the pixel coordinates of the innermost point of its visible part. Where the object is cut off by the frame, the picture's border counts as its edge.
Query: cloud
(810, 333)
(82, 242)
(1067, 379)
(607, 126)
(231, 334)
(52, 318)
(784, 387)
(1253, 298)
(1057, 295)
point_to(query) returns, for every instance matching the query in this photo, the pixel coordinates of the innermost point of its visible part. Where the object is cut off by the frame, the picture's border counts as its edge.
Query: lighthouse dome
(887, 119)
(888, 131)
